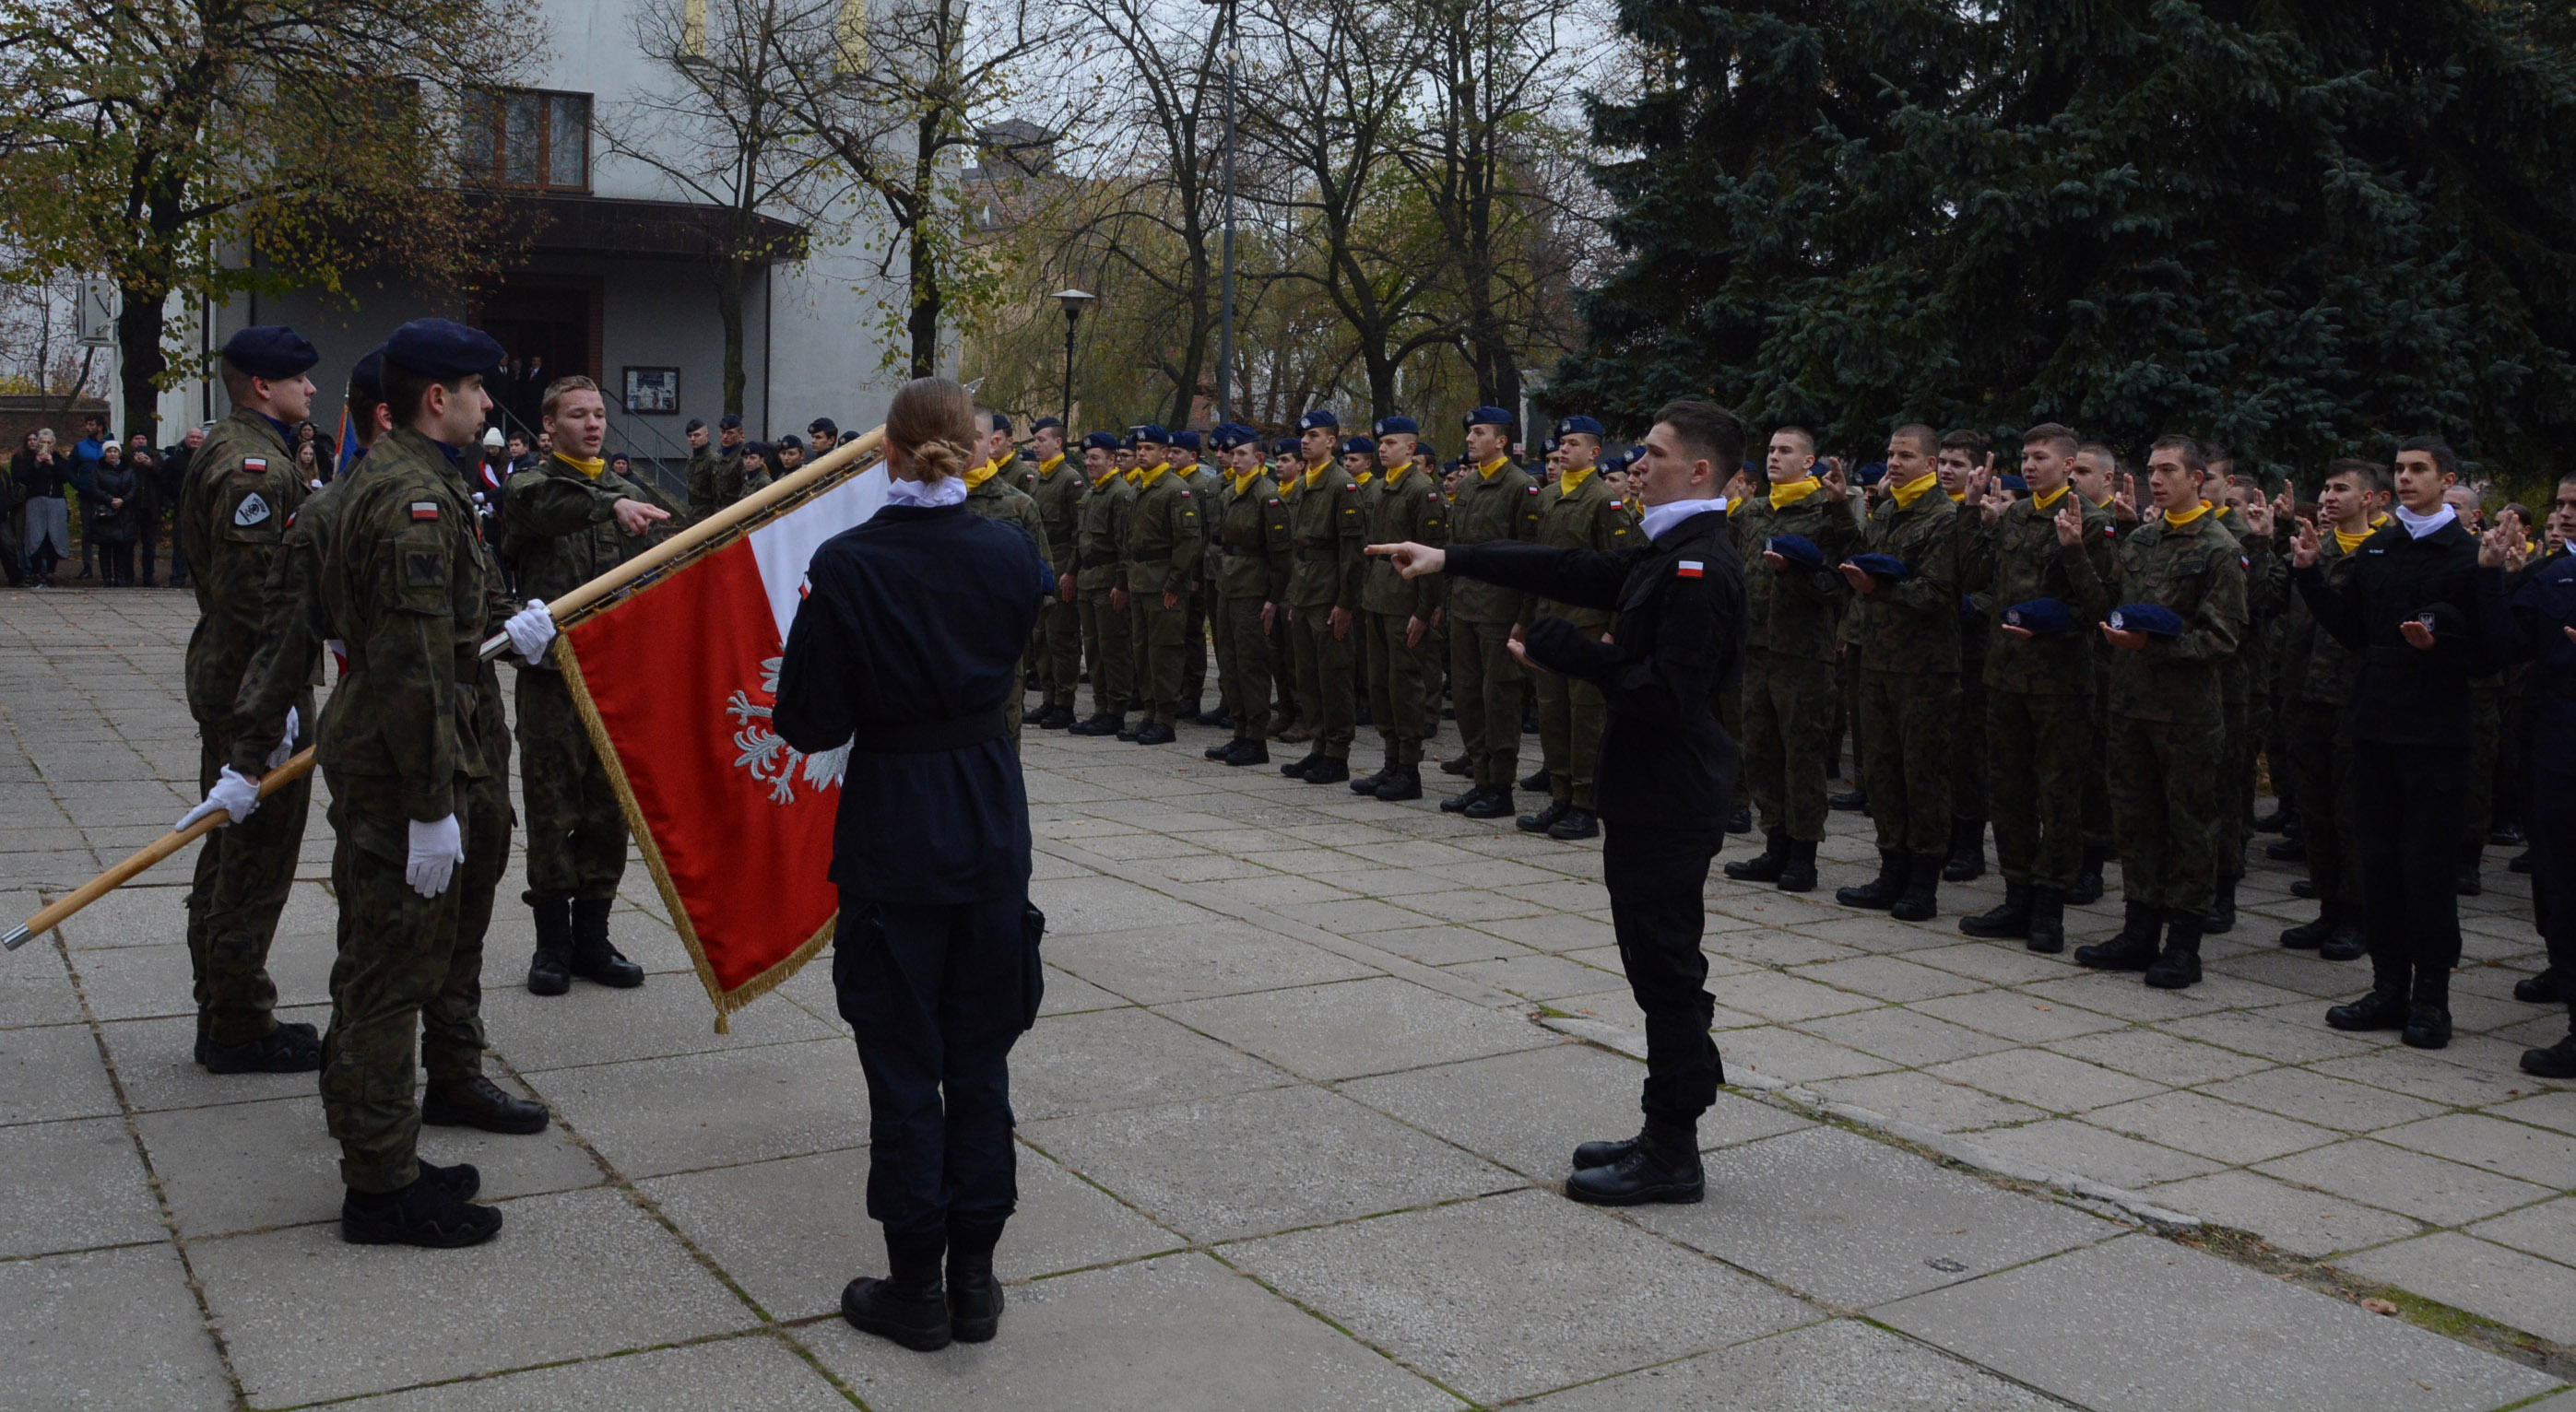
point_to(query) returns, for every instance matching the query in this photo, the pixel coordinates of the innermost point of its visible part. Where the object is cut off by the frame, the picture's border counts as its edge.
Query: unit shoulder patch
(254, 509)
(1689, 569)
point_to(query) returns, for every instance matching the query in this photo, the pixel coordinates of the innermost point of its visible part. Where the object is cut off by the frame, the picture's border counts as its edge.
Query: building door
(550, 321)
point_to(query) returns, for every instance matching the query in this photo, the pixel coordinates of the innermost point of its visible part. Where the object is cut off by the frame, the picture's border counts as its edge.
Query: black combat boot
(974, 1296)
(1602, 1154)
(2134, 949)
(551, 972)
(460, 1181)
(2470, 885)
(1920, 902)
(2383, 1009)
(1578, 823)
(2178, 966)
(1101, 723)
(1402, 783)
(2541, 989)
(1799, 873)
(593, 959)
(480, 1103)
(2428, 1017)
(291, 1048)
(2288, 850)
(1740, 820)
(909, 1306)
(2012, 918)
(2347, 943)
(1766, 865)
(1494, 801)
(1367, 784)
(2308, 936)
(1535, 782)
(1849, 801)
(1128, 733)
(1457, 803)
(1327, 769)
(1220, 718)
(1967, 861)
(1055, 717)
(427, 1213)
(1220, 750)
(1459, 765)
(1254, 751)
(2221, 918)
(2558, 1061)
(2047, 931)
(1662, 1165)
(1296, 769)
(1881, 894)
(2088, 880)
(1544, 819)
(1155, 733)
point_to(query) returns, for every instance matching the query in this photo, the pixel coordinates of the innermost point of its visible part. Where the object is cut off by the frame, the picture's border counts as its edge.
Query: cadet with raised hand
(240, 493)
(1251, 552)
(1576, 511)
(1100, 584)
(1323, 596)
(2322, 673)
(1791, 534)
(1405, 505)
(2181, 589)
(1497, 501)
(1164, 541)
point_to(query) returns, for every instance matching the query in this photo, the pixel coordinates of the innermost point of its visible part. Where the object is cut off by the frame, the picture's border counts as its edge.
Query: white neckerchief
(1659, 518)
(948, 490)
(2421, 525)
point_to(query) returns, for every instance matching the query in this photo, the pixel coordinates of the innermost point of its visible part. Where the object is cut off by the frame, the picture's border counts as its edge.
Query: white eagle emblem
(769, 758)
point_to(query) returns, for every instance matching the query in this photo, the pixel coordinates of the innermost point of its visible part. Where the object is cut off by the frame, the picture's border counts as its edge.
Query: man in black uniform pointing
(1666, 772)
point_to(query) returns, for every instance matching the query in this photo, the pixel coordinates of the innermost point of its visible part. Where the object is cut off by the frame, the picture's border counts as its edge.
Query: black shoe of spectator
(1367, 784)
(2274, 822)
(2541, 989)
(2521, 863)
(480, 1103)
(2558, 1061)
(2288, 850)
(1155, 733)
(1248, 752)
(915, 1316)
(2177, 967)
(1740, 821)
(2428, 1026)
(1457, 803)
(2088, 880)
(2379, 1010)
(1648, 1172)
(1544, 819)
(1221, 750)
(1100, 724)
(1850, 801)
(1577, 824)
(2307, 936)
(1296, 769)
(460, 1181)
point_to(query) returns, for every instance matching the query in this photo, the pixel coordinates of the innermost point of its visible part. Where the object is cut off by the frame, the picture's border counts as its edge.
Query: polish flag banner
(676, 684)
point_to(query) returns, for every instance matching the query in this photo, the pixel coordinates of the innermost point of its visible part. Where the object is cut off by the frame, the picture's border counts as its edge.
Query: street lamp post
(1073, 301)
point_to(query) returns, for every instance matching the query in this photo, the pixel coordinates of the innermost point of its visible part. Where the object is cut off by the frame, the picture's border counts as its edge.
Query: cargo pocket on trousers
(1032, 970)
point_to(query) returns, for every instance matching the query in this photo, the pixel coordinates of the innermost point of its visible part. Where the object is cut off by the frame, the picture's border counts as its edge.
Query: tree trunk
(138, 337)
(730, 270)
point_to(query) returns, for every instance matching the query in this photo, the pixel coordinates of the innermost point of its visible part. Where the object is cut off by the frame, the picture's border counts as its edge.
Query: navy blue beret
(1225, 436)
(442, 349)
(1870, 474)
(730, 421)
(2045, 616)
(1152, 433)
(790, 439)
(695, 424)
(276, 351)
(761, 449)
(1100, 441)
(1797, 549)
(2153, 619)
(1886, 568)
(1320, 417)
(1042, 423)
(368, 378)
(1359, 446)
(1489, 417)
(821, 427)
(1396, 426)
(1284, 446)
(2012, 482)
(1186, 440)
(1578, 426)
(1547, 446)
(1001, 424)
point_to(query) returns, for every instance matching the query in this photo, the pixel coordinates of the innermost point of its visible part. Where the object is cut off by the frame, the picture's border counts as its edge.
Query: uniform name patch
(252, 510)
(1688, 568)
(424, 510)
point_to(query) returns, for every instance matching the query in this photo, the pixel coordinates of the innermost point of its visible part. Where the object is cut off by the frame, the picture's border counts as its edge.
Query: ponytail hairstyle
(932, 423)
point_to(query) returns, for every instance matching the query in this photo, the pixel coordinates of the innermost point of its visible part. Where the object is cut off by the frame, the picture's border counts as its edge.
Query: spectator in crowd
(85, 456)
(13, 519)
(308, 461)
(111, 515)
(174, 474)
(44, 478)
(145, 462)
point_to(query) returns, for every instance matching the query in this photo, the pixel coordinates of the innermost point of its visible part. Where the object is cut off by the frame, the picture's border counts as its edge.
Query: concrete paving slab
(1540, 977)
(1836, 1366)
(2548, 1229)
(1906, 1036)
(35, 989)
(1792, 1056)
(1517, 1294)
(1159, 965)
(2160, 1058)
(753, 1373)
(2555, 1110)
(793, 1231)
(1446, 946)
(2513, 1288)
(1373, 1026)
(598, 1025)
(1098, 1060)
(2056, 1082)
(73, 1185)
(2317, 1097)
(1097, 904)
(651, 1116)
(2080, 1149)
(1844, 1219)
(572, 1275)
(156, 1062)
(2144, 1323)
(2014, 1015)
(2425, 1187)
(2212, 1127)
(1888, 978)
(2293, 1218)
(52, 1071)
(1252, 1163)
(107, 1329)
(2515, 1149)
(2433, 1079)
(1183, 1331)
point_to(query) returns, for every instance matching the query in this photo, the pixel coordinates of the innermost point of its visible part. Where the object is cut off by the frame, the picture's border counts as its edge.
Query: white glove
(235, 793)
(436, 849)
(530, 629)
(286, 744)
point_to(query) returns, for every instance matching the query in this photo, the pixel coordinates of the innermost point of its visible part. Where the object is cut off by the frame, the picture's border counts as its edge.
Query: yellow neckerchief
(1488, 469)
(1785, 493)
(1288, 486)
(1395, 477)
(2045, 502)
(1573, 480)
(2174, 521)
(1106, 476)
(2380, 520)
(1145, 478)
(1244, 482)
(1047, 467)
(2350, 542)
(594, 468)
(1315, 473)
(1913, 490)
(1957, 497)
(2219, 510)
(1363, 478)
(981, 474)
(1131, 473)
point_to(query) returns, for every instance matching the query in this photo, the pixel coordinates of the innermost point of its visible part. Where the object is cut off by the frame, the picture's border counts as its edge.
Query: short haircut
(1975, 443)
(405, 389)
(556, 389)
(2057, 434)
(2195, 457)
(361, 404)
(1709, 432)
(2373, 476)
(2446, 459)
(1799, 432)
(520, 437)
(984, 419)
(1925, 439)
(236, 382)
(2215, 452)
(2110, 458)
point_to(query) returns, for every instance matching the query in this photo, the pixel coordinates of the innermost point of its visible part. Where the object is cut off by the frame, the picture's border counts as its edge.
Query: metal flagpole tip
(18, 936)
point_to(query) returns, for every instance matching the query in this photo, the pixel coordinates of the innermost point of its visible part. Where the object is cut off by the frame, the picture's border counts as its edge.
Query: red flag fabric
(676, 683)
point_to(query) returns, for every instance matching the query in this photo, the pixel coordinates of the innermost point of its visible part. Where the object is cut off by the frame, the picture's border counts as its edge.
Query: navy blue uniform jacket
(2406, 696)
(1678, 640)
(914, 625)
(2541, 607)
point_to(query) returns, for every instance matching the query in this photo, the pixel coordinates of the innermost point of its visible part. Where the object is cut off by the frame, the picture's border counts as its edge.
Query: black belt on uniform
(1318, 556)
(1097, 561)
(923, 737)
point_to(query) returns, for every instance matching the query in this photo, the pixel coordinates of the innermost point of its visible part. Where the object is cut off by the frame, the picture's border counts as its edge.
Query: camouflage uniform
(2039, 693)
(1570, 713)
(1100, 569)
(992, 496)
(240, 495)
(1325, 516)
(2318, 680)
(1251, 557)
(564, 533)
(1164, 541)
(1203, 482)
(1402, 506)
(1484, 680)
(1968, 806)
(1908, 635)
(1057, 487)
(2243, 705)
(2166, 714)
(715, 481)
(1790, 622)
(411, 735)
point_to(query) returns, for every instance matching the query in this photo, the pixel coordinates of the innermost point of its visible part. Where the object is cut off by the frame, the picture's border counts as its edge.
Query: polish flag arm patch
(1688, 568)
(424, 510)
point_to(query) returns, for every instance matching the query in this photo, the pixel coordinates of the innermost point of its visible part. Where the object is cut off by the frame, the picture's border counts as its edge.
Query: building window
(525, 138)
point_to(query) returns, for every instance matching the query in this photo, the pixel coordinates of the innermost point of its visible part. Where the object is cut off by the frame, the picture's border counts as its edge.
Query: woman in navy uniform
(906, 649)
